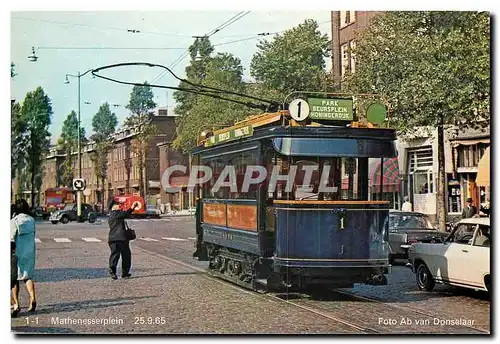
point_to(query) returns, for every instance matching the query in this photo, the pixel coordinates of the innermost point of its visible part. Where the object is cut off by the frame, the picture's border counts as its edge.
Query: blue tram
(313, 227)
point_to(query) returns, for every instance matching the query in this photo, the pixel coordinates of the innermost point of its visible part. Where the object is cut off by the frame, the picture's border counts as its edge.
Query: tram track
(270, 296)
(329, 308)
(416, 310)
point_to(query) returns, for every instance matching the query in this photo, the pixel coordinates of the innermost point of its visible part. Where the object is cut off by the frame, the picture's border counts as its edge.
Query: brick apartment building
(123, 174)
(345, 24)
(417, 158)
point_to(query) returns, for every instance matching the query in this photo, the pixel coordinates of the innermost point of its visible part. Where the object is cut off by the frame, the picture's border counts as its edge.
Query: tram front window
(322, 178)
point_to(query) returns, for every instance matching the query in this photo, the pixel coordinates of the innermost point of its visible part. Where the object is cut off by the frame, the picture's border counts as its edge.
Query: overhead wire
(224, 25)
(206, 89)
(190, 90)
(101, 27)
(111, 48)
(212, 32)
(229, 22)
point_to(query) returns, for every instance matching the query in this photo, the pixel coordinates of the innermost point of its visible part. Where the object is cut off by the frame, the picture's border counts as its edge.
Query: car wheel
(54, 222)
(487, 283)
(425, 281)
(92, 218)
(64, 219)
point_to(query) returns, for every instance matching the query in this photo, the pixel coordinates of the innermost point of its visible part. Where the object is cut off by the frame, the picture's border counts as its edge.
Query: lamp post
(79, 193)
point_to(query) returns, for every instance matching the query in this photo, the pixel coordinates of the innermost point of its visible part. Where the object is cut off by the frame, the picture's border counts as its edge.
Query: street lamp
(33, 56)
(198, 56)
(79, 193)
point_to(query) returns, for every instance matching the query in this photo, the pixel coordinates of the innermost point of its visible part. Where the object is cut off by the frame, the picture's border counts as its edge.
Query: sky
(72, 42)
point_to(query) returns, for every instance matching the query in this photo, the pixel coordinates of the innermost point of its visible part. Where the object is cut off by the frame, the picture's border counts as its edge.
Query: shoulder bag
(129, 232)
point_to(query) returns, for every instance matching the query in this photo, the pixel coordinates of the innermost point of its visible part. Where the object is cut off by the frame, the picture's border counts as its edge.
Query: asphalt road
(170, 293)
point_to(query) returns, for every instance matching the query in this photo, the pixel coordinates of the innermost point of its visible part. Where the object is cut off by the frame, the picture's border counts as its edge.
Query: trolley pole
(79, 193)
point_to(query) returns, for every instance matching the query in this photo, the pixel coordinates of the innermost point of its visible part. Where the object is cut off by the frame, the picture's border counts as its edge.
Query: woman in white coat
(22, 232)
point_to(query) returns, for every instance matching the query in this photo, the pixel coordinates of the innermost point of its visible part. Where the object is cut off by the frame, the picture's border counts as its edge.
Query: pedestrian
(469, 210)
(485, 208)
(13, 275)
(117, 240)
(407, 206)
(22, 232)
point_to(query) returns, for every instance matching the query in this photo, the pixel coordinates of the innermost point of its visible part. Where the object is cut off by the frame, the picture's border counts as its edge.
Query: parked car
(406, 228)
(151, 211)
(462, 260)
(69, 213)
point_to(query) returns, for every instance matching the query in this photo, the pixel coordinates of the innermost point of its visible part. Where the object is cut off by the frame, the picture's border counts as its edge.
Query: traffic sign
(79, 184)
(299, 109)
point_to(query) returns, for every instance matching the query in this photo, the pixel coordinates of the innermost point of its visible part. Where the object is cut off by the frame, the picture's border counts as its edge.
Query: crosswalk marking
(62, 240)
(94, 239)
(91, 240)
(174, 239)
(148, 239)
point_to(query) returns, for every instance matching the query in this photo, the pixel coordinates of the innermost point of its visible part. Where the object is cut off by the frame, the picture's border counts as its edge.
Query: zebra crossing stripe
(91, 240)
(38, 241)
(62, 240)
(148, 239)
(174, 239)
(191, 238)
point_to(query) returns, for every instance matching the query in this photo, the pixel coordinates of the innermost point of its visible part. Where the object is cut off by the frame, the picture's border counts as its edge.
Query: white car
(462, 260)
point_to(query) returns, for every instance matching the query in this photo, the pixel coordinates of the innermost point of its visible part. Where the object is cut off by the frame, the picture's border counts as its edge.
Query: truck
(126, 201)
(56, 199)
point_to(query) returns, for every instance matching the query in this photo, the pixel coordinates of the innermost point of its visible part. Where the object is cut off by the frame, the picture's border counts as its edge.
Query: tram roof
(317, 132)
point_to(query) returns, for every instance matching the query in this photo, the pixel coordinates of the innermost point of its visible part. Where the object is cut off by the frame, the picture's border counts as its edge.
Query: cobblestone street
(170, 293)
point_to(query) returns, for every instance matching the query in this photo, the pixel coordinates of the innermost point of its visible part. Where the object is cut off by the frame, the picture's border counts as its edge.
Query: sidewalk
(74, 292)
(179, 213)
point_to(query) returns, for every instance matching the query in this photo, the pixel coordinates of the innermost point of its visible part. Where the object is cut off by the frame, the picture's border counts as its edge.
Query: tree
(293, 61)
(17, 138)
(104, 125)
(224, 71)
(194, 73)
(140, 105)
(433, 68)
(36, 112)
(69, 143)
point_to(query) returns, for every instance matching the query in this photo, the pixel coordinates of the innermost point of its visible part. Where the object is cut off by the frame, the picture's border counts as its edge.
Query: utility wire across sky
(224, 25)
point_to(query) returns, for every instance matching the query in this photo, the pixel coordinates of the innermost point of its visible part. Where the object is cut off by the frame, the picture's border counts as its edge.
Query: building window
(346, 18)
(469, 156)
(345, 59)
(420, 168)
(352, 57)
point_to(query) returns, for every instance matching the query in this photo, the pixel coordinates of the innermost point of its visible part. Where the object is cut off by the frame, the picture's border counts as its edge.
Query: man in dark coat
(118, 243)
(469, 210)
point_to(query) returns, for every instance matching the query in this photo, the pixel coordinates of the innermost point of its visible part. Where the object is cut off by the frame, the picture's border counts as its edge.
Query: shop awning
(391, 180)
(483, 169)
(469, 142)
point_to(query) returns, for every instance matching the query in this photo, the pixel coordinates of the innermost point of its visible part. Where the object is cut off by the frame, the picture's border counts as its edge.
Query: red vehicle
(126, 202)
(56, 199)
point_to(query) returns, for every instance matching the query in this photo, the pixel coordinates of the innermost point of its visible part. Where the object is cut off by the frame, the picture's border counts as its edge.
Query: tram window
(239, 161)
(348, 177)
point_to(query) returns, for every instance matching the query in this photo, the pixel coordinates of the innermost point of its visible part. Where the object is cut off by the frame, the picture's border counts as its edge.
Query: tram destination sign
(330, 109)
(230, 135)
